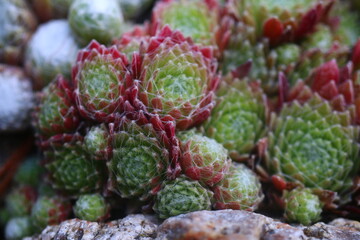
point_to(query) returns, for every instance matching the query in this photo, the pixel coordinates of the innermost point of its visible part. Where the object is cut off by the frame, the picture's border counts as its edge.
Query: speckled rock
(201, 225)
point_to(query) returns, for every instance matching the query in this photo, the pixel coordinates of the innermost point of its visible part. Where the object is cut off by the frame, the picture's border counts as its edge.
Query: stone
(201, 225)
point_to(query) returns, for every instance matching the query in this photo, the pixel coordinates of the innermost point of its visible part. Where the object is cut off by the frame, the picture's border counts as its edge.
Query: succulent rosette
(19, 228)
(177, 79)
(97, 142)
(279, 20)
(49, 211)
(141, 157)
(17, 99)
(56, 112)
(93, 19)
(91, 207)
(100, 77)
(17, 25)
(180, 196)
(29, 172)
(20, 201)
(238, 120)
(302, 206)
(203, 158)
(72, 170)
(194, 19)
(240, 189)
(51, 51)
(313, 145)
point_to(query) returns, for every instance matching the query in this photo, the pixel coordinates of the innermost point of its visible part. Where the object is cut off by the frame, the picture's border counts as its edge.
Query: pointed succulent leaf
(180, 196)
(178, 79)
(49, 211)
(302, 206)
(56, 112)
(240, 189)
(203, 158)
(91, 207)
(100, 77)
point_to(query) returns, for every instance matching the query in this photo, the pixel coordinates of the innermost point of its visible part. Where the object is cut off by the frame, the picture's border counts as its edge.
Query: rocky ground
(204, 225)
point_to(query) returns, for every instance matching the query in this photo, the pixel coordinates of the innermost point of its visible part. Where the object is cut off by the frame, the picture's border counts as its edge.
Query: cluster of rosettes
(151, 117)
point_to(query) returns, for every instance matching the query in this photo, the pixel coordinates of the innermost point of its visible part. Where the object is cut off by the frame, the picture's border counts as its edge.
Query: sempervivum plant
(302, 206)
(52, 50)
(20, 201)
(72, 170)
(56, 112)
(17, 99)
(240, 189)
(97, 142)
(180, 196)
(203, 158)
(100, 77)
(141, 157)
(17, 24)
(49, 211)
(281, 20)
(195, 19)
(94, 19)
(91, 207)
(177, 79)
(313, 145)
(238, 120)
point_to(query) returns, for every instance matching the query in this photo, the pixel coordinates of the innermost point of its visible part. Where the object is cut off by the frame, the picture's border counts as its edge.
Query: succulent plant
(140, 159)
(94, 19)
(19, 228)
(49, 211)
(100, 78)
(238, 120)
(279, 20)
(72, 170)
(17, 99)
(17, 25)
(56, 112)
(97, 142)
(203, 158)
(51, 51)
(314, 146)
(302, 206)
(91, 207)
(323, 39)
(195, 19)
(20, 201)
(50, 9)
(242, 48)
(180, 196)
(240, 189)
(29, 172)
(177, 79)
